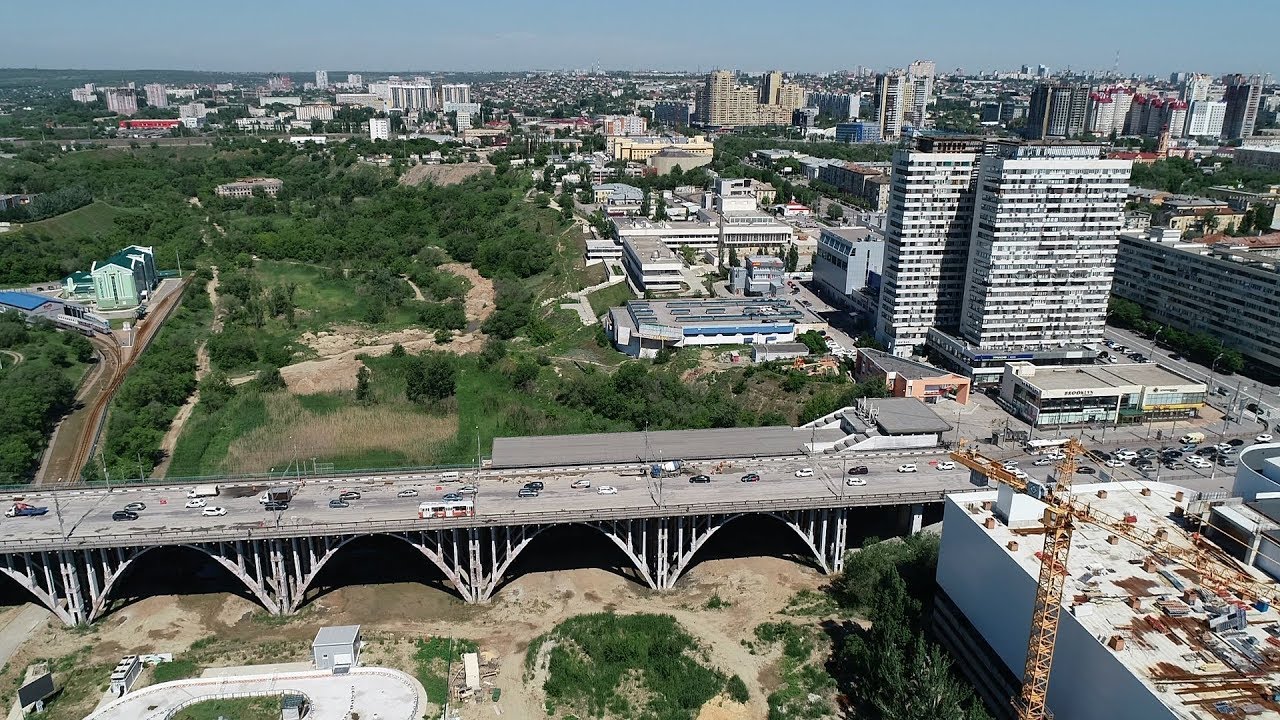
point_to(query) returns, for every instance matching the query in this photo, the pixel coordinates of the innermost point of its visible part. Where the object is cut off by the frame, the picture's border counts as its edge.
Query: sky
(749, 35)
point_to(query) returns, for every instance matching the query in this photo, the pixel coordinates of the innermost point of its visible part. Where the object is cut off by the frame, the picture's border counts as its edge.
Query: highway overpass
(75, 559)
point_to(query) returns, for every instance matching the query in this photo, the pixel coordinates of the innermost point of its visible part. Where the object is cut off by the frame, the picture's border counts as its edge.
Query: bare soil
(442, 174)
(393, 615)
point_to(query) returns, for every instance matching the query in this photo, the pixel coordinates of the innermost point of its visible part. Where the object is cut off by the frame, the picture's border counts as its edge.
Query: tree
(660, 212)
(644, 204)
(364, 392)
(733, 257)
(793, 258)
(835, 211)
(430, 378)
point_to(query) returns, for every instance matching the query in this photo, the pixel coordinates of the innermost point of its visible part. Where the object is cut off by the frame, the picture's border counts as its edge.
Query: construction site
(1102, 601)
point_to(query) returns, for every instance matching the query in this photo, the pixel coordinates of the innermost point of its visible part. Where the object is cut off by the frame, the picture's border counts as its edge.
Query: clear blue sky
(813, 35)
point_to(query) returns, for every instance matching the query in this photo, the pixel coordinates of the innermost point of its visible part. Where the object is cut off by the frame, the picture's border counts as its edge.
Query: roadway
(86, 514)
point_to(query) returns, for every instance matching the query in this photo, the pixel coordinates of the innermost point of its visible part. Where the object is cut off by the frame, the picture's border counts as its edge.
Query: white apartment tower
(1196, 88)
(157, 95)
(121, 101)
(355, 80)
(1043, 246)
(322, 79)
(920, 75)
(1205, 118)
(927, 241)
(379, 128)
(892, 89)
(455, 93)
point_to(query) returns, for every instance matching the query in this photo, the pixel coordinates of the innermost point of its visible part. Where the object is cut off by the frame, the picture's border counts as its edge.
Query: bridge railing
(552, 517)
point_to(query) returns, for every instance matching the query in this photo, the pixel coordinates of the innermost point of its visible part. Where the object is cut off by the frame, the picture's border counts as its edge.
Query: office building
(765, 275)
(652, 266)
(858, 132)
(722, 101)
(322, 79)
(455, 93)
(1196, 88)
(379, 128)
(673, 113)
(927, 241)
(1058, 110)
(906, 378)
(1048, 396)
(1242, 97)
(841, 107)
(120, 101)
(848, 263)
(1139, 630)
(622, 125)
(1227, 287)
(1205, 119)
(1041, 261)
(1261, 158)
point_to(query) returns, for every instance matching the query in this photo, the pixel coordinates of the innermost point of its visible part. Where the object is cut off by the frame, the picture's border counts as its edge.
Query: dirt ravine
(442, 174)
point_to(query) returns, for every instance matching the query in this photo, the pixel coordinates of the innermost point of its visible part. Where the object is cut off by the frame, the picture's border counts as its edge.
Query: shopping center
(1049, 396)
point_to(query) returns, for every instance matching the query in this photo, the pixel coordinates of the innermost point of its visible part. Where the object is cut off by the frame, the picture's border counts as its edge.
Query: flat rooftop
(1105, 376)
(909, 369)
(907, 416)
(1168, 646)
(337, 635)
(855, 234)
(635, 447)
(678, 313)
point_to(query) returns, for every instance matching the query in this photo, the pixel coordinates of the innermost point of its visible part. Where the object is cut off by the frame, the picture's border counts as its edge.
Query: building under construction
(1141, 636)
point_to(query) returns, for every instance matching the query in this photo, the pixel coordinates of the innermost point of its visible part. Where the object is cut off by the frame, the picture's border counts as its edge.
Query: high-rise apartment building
(121, 101)
(1101, 117)
(322, 79)
(673, 113)
(355, 79)
(891, 94)
(920, 76)
(1205, 118)
(1058, 110)
(1043, 247)
(157, 95)
(722, 101)
(85, 94)
(379, 128)
(1242, 97)
(455, 93)
(840, 106)
(770, 85)
(1196, 88)
(926, 241)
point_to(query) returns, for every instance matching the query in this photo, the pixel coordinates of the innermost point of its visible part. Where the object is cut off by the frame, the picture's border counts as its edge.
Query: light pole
(1155, 339)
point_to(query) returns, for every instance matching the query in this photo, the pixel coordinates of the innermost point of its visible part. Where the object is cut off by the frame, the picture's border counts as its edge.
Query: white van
(451, 476)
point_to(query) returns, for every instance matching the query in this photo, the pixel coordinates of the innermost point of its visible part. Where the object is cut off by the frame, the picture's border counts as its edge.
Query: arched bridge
(75, 578)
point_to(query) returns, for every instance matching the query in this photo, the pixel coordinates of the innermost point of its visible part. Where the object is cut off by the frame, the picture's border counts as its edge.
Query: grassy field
(259, 708)
(324, 300)
(96, 217)
(612, 296)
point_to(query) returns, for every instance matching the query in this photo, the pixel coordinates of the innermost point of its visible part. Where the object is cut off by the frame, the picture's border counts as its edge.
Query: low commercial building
(1228, 287)
(984, 366)
(642, 327)
(651, 266)
(1048, 396)
(618, 198)
(908, 378)
(858, 132)
(765, 275)
(1185, 213)
(42, 307)
(245, 187)
(745, 230)
(848, 263)
(1138, 633)
(778, 351)
(336, 648)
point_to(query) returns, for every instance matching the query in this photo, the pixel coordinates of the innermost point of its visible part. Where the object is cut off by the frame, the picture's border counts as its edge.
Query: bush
(737, 690)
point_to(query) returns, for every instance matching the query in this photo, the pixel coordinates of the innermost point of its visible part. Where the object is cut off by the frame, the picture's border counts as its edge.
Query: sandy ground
(336, 368)
(417, 291)
(442, 174)
(532, 604)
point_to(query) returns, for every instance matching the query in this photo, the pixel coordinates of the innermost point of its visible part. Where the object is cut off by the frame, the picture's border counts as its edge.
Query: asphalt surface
(87, 513)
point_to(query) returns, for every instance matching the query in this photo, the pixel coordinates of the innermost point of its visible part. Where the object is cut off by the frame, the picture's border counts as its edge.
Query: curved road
(366, 692)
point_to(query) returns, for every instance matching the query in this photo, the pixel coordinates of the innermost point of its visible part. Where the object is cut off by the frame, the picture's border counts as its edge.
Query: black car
(1207, 452)
(1175, 356)
(1085, 470)
(700, 479)
(751, 477)
(349, 495)
(275, 506)
(124, 515)
(1235, 442)
(535, 485)
(859, 470)
(1171, 454)
(527, 492)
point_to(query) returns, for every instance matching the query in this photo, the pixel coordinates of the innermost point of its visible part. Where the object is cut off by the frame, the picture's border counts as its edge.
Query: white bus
(446, 509)
(1036, 447)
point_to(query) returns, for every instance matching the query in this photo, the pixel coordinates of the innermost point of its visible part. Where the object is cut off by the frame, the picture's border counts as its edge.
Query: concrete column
(71, 582)
(1252, 555)
(917, 518)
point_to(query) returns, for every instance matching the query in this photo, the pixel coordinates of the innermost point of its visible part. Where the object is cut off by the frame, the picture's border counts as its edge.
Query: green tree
(660, 210)
(430, 378)
(733, 257)
(364, 391)
(793, 259)
(835, 211)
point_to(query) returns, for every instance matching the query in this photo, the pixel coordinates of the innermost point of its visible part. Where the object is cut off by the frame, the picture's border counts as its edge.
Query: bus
(446, 509)
(1037, 447)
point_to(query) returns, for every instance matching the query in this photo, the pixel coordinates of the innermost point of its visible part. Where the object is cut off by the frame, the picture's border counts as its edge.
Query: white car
(580, 484)
(1263, 438)
(607, 490)
(946, 465)
(1056, 456)
(1196, 461)
(804, 472)
(855, 482)
(1041, 462)
(1018, 473)
(1126, 455)
(193, 504)
(213, 512)
(909, 467)
(1113, 463)
(1009, 464)
(407, 493)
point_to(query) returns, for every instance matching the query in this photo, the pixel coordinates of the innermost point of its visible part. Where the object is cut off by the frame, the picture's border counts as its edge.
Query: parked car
(336, 503)
(1114, 464)
(855, 482)
(700, 479)
(452, 497)
(124, 515)
(751, 477)
(1263, 438)
(349, 495)
(195, 503)
(946, 465)
(135, 507)
(1085, 470)
(580, 484)
(527, 492)
(1235, 442)
(804, 472)
(606, 490)
(859, 470)
(1226, 462)
(213, 512)
(907, 468)
(407, 492)
(1041, 462)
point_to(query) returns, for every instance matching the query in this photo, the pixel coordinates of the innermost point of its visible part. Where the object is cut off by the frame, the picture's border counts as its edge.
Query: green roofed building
(78, 286)
(125, 279)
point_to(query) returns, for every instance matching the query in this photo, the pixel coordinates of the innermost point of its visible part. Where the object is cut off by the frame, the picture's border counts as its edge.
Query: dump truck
(24, 510)
(276, 495)
(665, 469)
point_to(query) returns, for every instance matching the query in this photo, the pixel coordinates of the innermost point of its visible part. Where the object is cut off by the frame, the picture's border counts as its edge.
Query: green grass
(801, 679)
(256, 708)
(612, 296)
(205, 438)
(175, 670)
(96, 217)
(324, 301)
(433, 658)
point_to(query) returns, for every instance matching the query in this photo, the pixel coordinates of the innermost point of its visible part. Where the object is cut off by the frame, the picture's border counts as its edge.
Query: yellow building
(641, 148)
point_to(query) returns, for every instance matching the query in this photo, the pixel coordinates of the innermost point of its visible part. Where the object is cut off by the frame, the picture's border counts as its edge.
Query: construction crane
(1215, 568)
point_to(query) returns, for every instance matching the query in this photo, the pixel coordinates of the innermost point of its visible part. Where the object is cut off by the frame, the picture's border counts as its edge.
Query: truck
(1192, 438)
(200, 491)
(665, 469)
(22, 509)
(276, 495)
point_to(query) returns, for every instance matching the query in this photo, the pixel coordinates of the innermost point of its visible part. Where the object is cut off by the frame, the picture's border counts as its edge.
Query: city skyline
(298, 37)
